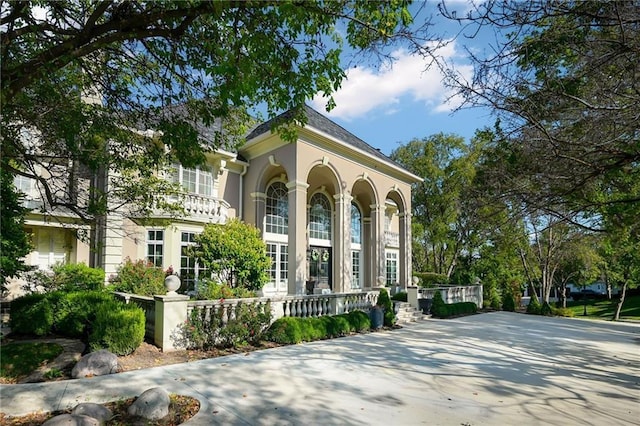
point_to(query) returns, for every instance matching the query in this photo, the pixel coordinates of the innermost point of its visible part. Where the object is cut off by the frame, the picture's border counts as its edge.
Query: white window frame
(155, 243)
(194, 181)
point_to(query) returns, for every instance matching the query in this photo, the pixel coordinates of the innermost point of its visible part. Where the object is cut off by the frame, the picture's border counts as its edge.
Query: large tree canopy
(78, 76)
(563, 78)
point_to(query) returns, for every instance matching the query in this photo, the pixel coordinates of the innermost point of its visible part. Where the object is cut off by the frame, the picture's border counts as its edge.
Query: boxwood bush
(400, 296)
(117, 327)
(75, 315)
(31, 315)
(439, 309)
(289, 330)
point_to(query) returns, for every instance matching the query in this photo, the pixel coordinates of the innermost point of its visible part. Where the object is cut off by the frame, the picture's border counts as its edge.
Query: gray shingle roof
(322, 123)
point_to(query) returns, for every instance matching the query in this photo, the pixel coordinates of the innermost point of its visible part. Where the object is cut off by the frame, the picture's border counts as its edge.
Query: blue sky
(391, 105)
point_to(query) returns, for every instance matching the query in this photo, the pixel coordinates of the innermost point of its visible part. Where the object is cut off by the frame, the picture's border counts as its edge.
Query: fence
(420, 298)
(164, 314)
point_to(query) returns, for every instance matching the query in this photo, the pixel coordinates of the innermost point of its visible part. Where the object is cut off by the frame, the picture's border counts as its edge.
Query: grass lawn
(21, 359)
(604, 309)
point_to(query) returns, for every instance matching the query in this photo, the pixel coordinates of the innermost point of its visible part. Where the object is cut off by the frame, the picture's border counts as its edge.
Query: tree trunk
(616, 316)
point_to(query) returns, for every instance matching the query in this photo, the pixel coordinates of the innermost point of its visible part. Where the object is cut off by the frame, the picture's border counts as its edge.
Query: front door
(319, 261)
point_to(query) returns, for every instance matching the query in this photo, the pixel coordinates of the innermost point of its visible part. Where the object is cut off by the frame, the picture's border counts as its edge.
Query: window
(190, 271)
(392, 267)
(155, 245)
(320, 217)
(278, 271)
(23, 184)
(355, 269)
(356, 225)
(277, 209)
(356, 241)
(194, 181)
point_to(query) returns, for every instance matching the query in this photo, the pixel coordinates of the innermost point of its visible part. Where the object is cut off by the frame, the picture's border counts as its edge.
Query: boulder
(153, 404)
(97, 411)
(96, 364)
(71, 420)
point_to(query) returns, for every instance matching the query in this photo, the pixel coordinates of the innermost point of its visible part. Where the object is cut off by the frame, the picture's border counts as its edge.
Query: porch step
(405, 313)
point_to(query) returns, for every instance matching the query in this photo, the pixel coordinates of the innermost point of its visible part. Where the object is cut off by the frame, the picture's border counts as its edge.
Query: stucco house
(334, 212)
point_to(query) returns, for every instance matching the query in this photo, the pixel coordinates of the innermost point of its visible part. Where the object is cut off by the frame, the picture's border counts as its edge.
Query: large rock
(97, 411)
(96, 364)
(71, 420)
(153, 404)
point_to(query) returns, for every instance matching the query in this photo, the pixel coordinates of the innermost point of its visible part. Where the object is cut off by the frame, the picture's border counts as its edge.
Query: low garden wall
(419, 297)
(165, 314)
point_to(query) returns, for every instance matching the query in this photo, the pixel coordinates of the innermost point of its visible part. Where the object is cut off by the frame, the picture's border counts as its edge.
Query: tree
(121, 86)
(563, 80)
(234, 253)
(14, 241)
(579, 262)
(442, 225)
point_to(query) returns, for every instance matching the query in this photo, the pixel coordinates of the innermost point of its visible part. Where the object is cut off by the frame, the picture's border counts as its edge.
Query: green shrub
(289, 330)
(385, 302)
(235, 252)
(359, 321)
(77, 277)
(31, 314)
(546, 309)
(285, 330)
(508, 303)
(431, 279)
(438, 307)
(140, 277)
(248, 326)
(534, 306)
(563, 312)
(79, 312)
(211, 290)
(400, 296)
(118, 328)
(495, 302)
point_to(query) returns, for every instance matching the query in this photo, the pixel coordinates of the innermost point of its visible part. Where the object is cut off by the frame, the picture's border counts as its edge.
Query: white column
(366, 267)
(342, 244)
(405, 250)
(297, 236)
(378, 261)
(259, 201)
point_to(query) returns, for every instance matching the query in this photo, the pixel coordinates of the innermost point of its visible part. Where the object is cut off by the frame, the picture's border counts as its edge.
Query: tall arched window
(356, 224)
(320, 217)
(276, 236)
(277, 220)
(356, 246)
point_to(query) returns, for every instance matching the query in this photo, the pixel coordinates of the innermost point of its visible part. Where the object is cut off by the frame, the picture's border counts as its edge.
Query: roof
(322, 123)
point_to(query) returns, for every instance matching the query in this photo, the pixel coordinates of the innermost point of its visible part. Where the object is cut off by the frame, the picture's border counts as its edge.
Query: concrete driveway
(488, 369)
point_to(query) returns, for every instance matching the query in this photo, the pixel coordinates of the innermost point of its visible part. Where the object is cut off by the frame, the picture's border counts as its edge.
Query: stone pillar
(342, 240)
(412, 296)
(405, 249)
(366, 267)
(297, 236)
(259, 201)
(378, 260)
(171, 311)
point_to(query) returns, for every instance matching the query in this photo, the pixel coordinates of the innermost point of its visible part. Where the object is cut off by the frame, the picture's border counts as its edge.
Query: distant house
(334, 212)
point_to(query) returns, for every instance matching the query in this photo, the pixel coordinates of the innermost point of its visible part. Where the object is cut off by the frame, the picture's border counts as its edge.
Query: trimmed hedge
(118, 328)
(385, 302)
(400, 296)
(439, 309)
(75, 315)
(290, 330)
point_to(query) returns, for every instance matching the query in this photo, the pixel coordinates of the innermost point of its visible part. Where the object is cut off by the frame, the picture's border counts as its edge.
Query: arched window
(320, 217)
(277, 220)
(356, 224)
(356, 241)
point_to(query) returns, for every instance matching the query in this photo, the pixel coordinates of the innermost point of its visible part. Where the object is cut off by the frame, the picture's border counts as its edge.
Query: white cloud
(366, 89)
